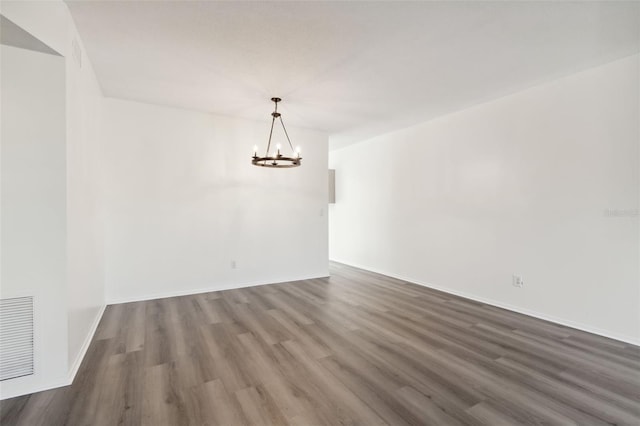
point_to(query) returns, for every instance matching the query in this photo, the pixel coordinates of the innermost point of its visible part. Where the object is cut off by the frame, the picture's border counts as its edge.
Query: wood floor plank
(367, 385)
(162, 400)
(357, 348)
(312, 345)
(485, 414)
(121, 396)
(227, 357)
(328, 384)
(574, 396)
(425, 408)
(211, 404)
(135, 330)
(265, 368)
(258, 407)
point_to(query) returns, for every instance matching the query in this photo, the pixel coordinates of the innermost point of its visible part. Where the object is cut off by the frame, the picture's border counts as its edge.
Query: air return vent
(16, 337)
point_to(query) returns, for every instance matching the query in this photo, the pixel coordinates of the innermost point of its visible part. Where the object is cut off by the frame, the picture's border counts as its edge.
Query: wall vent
(16, 337)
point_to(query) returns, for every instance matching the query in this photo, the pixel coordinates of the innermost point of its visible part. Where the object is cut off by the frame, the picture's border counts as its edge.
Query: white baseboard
(190, 292)
(85, 345)
(34, 389)
(561, 321)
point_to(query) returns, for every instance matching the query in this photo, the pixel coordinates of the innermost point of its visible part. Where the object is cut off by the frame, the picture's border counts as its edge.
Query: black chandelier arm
(286, 134)
(273, 120)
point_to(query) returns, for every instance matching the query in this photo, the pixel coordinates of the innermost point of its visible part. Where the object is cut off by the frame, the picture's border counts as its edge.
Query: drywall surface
(543, 184)
(187, 212)
(33, 200)
(86, 282)
(51, 23)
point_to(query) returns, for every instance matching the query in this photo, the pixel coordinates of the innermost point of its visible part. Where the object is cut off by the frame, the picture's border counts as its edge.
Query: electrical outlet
(233, 264)
(517, 281)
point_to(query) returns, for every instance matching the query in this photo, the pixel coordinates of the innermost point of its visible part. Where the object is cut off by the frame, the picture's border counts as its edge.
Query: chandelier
(276, 158)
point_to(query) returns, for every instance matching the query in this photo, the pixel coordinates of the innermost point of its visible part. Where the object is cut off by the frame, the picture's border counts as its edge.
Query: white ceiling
(352, 69)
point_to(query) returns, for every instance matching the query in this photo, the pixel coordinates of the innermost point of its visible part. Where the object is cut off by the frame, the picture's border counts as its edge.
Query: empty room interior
(319, 213)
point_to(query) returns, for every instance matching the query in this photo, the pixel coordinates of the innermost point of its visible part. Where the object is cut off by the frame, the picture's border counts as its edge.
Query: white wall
(85, 280)
(520, 185)
(51, 22)
(33, 199)
(183, 201)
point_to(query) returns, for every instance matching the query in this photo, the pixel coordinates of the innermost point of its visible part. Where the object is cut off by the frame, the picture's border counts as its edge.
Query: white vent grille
(16, 337)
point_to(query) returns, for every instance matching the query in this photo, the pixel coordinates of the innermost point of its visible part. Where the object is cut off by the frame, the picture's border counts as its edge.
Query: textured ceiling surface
(351, 69)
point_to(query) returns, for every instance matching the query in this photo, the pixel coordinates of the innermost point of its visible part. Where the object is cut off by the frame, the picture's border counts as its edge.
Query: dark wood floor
(358, 348)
